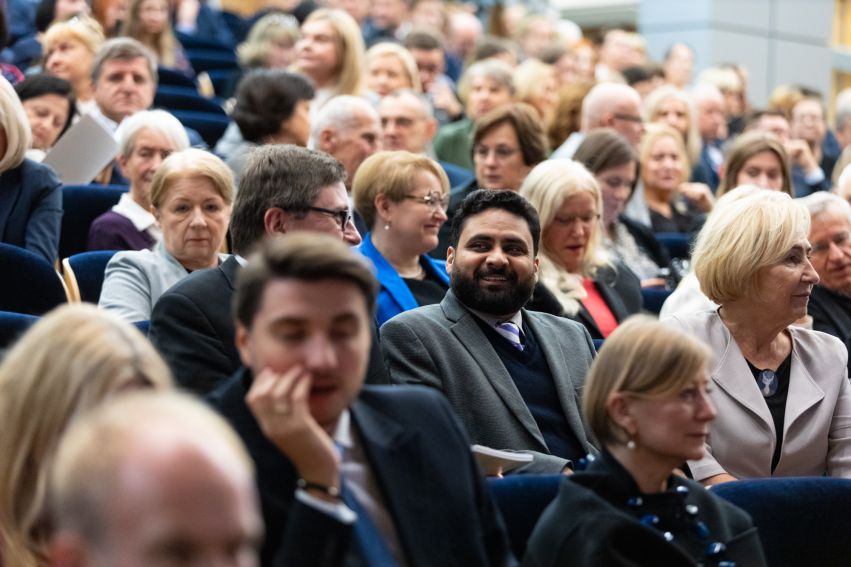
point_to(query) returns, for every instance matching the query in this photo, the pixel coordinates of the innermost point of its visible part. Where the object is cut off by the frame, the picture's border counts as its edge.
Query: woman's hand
(444, 99)
(698, 195)
(279, 402)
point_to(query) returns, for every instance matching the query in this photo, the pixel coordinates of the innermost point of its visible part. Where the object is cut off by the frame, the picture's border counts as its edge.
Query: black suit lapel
(584, 317)
(230, 268)
(613, 300)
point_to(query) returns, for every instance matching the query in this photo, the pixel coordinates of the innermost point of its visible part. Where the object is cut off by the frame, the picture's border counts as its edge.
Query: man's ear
(608, 120)
(537, 265)
(431, 127)
(241, 340)
(327, 141)
(275, 221)
(450, 259)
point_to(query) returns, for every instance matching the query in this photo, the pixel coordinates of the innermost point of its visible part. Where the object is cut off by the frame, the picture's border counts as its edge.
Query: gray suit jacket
(442, 346)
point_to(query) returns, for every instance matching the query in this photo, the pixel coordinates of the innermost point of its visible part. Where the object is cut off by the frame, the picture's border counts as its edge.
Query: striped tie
(511, 332)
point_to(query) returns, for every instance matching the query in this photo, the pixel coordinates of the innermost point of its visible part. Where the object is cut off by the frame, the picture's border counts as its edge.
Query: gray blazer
(442, 346)
(817, 426)
(135, 279)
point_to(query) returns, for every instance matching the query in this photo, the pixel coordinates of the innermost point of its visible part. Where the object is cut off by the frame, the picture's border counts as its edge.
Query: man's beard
(497, 301)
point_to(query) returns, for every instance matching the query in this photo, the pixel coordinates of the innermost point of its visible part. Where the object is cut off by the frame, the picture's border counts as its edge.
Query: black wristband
(331, 491)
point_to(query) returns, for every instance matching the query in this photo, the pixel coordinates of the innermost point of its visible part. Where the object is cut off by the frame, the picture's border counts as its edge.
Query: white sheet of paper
(85, 149)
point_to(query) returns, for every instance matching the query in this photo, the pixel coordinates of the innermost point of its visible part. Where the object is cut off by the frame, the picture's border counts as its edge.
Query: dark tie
(511, 332)
(370, 544)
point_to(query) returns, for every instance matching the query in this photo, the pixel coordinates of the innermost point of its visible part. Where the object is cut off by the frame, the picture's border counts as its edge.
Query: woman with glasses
(578, 278)
(403, 197)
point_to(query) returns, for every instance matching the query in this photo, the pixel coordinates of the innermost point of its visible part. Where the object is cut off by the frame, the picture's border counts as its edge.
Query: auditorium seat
(210, 126)
(209, 59)
(28, 284)
(12, 326)
(678, 244)
(180, 98)
(82, 205)
(175, 78)
(84, 274)
(521, 499)
(653, 298)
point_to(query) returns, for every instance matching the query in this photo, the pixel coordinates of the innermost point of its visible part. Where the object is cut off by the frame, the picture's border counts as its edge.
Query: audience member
(671, 106)
(196, 335)
(69, 53)
(390, 67)
(388, 21)
(110, 14)
(202, 20)
(729, 83)
(567, 114)
(403, 197)
(679, 65)
(178, 491)
(427, 47)
(756, 158)
(30, 193)
(537, 86)
(493, 47)
(709, 105)
(272, 107)
(328, 450)
(513, 376)
(577, 277)
(607, 105)
(428, 14)
(486, 85)
(149, 22)
(535, 33)
(563, 61)
(464, 32)
(72, 360)
(617, 52)
(191, 197)
(647, 400)
(644, 78)
(50, 106)
(614, 163)
(145, 140)
(769, 373)
(807, 127)
(125, 79)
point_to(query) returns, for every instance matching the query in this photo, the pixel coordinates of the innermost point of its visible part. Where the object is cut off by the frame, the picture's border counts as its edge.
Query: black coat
(831, 313)
(600, 518)
(420, 457)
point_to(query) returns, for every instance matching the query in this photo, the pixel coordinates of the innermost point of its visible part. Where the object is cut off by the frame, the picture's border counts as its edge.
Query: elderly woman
(576, 277)
(145, 139)
(272, 107)
(50, 105)
(69, 53)
(485, 86)
(191, 196)
(390, 67)
(756, 158)
(30, 193)
(613, 162)
(68, 363)
(647, 401)
(402, 197)
(783, 398)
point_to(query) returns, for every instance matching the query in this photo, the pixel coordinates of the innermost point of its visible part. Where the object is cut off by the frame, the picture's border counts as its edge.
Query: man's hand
(698, 195)
(444, 99)
(187, 13)
(279, 402)
(801, 155)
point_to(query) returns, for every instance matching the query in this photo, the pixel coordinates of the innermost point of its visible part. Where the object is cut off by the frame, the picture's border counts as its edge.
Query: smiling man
(515, 377)
(348, 474)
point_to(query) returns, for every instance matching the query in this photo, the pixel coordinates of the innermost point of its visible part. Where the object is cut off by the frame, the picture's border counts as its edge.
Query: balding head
(613, 105)
(178, 490)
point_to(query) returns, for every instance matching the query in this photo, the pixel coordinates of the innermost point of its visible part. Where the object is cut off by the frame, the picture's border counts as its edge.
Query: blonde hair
(15, 125)
(409, 64)
(84, 29)
(655, 132)
(191, 162)
(350, 49)
(749, 229)
(531, 77)
(667, 92)
(165, 43)
(642, 357)
(67, 363)
(276, 26)
(391, 174)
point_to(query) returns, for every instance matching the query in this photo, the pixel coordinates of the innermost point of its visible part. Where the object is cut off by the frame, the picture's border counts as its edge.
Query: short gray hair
(425, 105)
(494, 69)
(124, 49)
(822, 202)
(158, 121)
(339, 113)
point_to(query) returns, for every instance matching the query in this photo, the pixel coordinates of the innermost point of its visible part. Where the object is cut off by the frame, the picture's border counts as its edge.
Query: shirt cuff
(338, 511)
(188, 29)
(815, 177)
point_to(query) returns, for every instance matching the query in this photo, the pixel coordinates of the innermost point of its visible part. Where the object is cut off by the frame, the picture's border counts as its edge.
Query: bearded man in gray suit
(514, 377)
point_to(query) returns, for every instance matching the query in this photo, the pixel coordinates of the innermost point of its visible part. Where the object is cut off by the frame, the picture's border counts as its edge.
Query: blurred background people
(69, 53)
(149, 22)
(390, 67)
(756, 158)
(50, 106)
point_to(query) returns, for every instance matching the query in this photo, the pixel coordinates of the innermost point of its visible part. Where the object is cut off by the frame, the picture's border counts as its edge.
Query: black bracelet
(331, 491)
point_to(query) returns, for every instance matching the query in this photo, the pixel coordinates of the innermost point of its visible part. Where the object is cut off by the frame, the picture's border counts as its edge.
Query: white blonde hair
(15, 125)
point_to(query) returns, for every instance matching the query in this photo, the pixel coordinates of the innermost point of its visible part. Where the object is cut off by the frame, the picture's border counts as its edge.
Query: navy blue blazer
(31, 209)
(395, 296)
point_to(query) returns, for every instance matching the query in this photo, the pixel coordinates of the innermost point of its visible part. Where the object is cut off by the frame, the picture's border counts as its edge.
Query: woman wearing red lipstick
(782, 392)
(403, 197)
(648, 403)
(578, 277)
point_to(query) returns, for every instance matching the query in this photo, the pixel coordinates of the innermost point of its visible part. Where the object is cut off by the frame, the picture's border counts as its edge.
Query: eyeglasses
(629, 117)
(434, 200)
(586, 220)
(839, 240)
(501, 153)
(342, 216)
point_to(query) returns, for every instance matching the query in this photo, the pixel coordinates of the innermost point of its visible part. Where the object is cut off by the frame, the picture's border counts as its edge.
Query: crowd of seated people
(384, 232)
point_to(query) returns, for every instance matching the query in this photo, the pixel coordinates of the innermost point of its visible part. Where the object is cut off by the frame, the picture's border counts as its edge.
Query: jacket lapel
(230, 268)
(804, 392)
(584, 317)
(389, 277)
(613, 300)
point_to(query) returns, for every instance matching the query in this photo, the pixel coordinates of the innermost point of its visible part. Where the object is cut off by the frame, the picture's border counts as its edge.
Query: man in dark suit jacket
(191, 324)
(347, 475)
(515, 377)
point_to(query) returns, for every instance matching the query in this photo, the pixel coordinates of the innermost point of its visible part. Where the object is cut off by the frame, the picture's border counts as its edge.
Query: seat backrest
(210, 126)
(87, 270)
(82, 205)
(801, 521)
(522, 499)
(678, 244)
(28, 284)
(168, 76)
(209, 59)
(653, 298)
(181, 98)
(12, 326)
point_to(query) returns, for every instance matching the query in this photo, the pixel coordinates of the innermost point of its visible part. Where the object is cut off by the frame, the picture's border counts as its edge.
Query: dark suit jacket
(192, 327)
(704, 172)
(31, 209)
(619, 287)
(831, 313)
(421, 460)
(443, 346)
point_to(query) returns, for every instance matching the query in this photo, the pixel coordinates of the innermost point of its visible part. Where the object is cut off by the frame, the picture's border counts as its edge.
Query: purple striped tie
(511, 332)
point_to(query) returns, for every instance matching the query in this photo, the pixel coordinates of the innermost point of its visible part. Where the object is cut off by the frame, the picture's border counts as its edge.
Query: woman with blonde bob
(390, 67)
(68, 363)
(537, 86)
(783, 398)
(191, 197)
(403, 197)
(69, 53)
(647, 401)
(672, 106)
(577, 277)
(756, 158)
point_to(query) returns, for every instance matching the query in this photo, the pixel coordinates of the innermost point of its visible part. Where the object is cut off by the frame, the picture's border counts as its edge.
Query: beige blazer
(817, 425)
